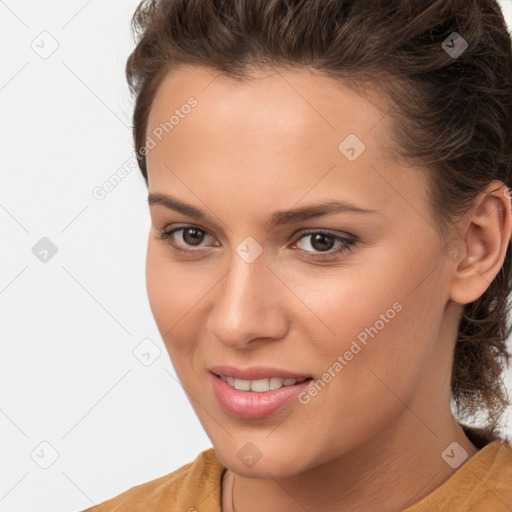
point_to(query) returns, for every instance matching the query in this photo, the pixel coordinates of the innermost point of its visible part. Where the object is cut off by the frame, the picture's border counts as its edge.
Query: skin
(372, 438)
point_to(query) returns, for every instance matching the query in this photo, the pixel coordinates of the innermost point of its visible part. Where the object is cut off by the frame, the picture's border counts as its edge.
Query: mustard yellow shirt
(481, 484)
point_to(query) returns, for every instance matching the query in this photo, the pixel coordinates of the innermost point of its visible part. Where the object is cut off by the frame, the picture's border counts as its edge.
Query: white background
(68, 374)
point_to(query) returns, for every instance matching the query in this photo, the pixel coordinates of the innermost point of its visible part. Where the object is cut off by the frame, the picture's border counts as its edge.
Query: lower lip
(250, 405)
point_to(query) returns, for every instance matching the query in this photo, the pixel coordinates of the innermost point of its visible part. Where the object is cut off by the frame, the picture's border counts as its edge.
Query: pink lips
(251, 404)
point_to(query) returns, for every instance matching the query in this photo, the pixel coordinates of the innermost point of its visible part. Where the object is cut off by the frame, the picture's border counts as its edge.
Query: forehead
(280, 130)
(273, 110)
(292, 101)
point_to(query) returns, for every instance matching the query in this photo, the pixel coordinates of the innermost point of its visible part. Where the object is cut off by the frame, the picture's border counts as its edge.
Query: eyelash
(348, 245)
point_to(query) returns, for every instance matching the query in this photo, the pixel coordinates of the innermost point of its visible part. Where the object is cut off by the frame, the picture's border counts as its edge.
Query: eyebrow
(279, 217)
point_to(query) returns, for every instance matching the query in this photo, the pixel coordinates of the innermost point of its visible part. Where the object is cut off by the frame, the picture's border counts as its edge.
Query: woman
(329, 261)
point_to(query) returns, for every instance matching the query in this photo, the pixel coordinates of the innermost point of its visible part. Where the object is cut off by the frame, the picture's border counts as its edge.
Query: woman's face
(356, 299)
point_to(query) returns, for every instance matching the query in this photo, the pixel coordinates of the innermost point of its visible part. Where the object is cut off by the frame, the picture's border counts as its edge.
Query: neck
(409, 463)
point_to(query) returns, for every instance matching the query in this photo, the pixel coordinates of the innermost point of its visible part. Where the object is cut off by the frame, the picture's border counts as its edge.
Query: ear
(486, 233)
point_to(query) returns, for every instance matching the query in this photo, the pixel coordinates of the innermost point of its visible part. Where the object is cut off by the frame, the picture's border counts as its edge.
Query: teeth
(260, 385)
(275, 383)
(242, 385)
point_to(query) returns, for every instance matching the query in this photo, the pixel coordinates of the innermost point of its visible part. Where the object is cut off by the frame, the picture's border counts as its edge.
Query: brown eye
(324, 244)
(187, 239)
(322, 241)
(193, 236)
(319, 241)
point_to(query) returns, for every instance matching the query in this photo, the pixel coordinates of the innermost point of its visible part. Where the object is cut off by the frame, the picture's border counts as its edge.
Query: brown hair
(453, 113)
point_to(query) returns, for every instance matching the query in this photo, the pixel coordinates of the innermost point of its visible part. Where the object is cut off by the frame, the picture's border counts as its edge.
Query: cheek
(379, 319)
(173, 293)
(345, 303)
(382, 357)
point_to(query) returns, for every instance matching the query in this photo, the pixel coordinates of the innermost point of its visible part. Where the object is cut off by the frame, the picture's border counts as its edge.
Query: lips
(252, 405)
(256, 372)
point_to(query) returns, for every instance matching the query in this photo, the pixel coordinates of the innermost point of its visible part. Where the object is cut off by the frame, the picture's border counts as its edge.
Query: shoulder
(493, 477)
(482, 484)
(193, 486)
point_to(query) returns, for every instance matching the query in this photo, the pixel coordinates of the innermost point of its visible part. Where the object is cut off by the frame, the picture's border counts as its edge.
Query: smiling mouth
(260, 385)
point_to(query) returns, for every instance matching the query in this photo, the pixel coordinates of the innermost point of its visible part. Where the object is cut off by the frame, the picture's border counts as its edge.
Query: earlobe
(487, 233)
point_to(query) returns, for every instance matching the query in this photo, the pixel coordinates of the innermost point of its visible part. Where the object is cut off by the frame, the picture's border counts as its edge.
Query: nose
(249, 305)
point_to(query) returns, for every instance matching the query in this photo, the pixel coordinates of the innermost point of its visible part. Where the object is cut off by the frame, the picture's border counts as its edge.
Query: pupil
(323, 245)
(195, 237)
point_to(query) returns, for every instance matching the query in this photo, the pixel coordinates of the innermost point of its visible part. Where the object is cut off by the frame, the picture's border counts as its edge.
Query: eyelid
(184, 227)
(296, 235)
(348, 240)
(333, 232)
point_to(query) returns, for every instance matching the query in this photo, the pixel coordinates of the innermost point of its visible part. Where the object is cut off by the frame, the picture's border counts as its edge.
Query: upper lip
(255, 372)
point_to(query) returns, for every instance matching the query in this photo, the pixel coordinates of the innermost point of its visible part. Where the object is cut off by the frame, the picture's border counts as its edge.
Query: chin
(277, 462)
